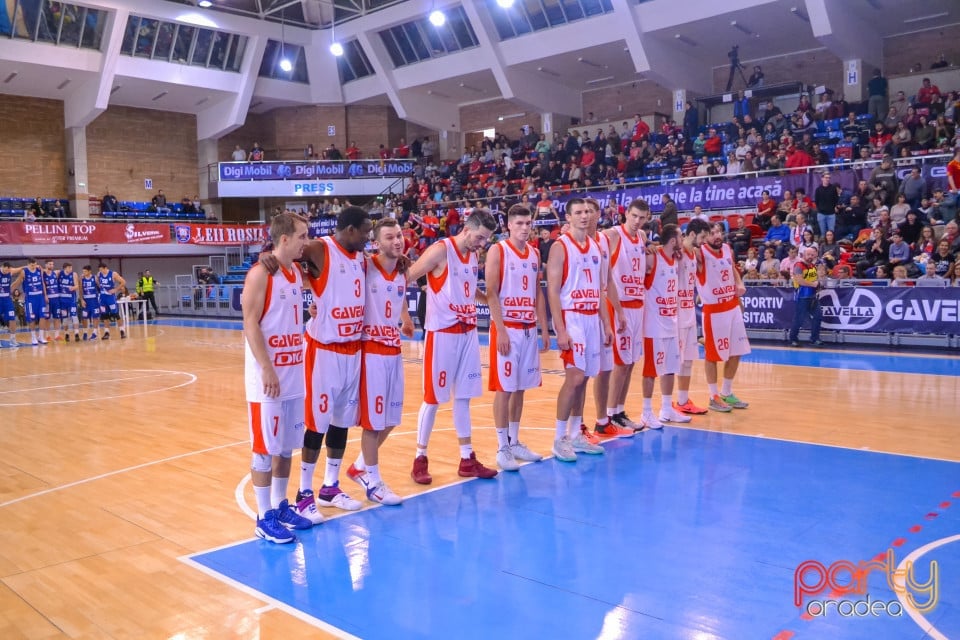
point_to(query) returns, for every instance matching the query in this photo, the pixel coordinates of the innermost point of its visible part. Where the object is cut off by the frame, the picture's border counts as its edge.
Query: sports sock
(647, 404)
(466, 450)
(619, 409)
(727, 388)
(331, 473)
(667, 401)
(514, 428)
(503, 436)
(306, 475)
(278, 491)
(263, 500)
(683, 396)
(561, 428)
(374, 472)
(360, 465)
(713, 389)
(573, 426)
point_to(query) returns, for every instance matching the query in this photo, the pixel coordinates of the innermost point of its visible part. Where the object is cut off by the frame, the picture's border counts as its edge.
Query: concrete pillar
(854, 82)
(78, 189)
(207, 159)
(450, 145)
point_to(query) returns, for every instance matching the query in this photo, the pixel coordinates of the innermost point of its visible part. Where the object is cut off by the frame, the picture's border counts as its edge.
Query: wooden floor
(125, 456)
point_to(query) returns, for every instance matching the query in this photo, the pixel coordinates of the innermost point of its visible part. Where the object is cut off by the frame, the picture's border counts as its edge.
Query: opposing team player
(661, 358)
(10, 279)
(517, 307)
(337, 278)
(451, 361)
(628, 259)
(687, 316)
(724, 333)
(574, 269)
(51, 283)
(381, 369)
(35, 307)
(109, 283)
(89, 302)
(69, 291)
(274, 377)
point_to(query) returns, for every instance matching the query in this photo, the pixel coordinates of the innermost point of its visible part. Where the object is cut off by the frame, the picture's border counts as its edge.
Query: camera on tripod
(734, 55)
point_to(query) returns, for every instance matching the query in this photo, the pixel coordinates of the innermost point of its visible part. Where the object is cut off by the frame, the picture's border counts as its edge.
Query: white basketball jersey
(716, 283)
(627, 267)
(283, 334)
(687, 288)
(661, 307)
(603, 242)
(339, 293)
(450, 296)
(518, 282)
(580, 290)
(386, 295)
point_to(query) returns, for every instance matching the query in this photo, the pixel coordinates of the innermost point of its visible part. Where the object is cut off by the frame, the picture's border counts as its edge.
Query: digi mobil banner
(219, 234)
(875, 309)
(739, 193)
(305, 170)
(83, 233)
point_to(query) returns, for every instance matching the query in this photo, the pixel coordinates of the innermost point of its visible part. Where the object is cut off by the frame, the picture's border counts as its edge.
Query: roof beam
(843, 33)
(227, 115)
(91, 99)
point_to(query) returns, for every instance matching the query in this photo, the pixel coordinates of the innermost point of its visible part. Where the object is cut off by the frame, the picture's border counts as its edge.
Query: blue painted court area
(679, 534)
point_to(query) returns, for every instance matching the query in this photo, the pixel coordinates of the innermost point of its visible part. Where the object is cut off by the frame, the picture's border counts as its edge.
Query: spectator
(641, 130)
(787, 264)
(930, 277)
(926, 243)
(898, 212)
(739, 238)
(108, 203)
(765, 210)
(827, 200)
(877, 249)
(899, 251)
(353, 151)
(830, 251)
(691, 120)
(756, 78)
(713, 144)
(851, 219)
(332, 153)
(238, 155)
(669, 215)
(770, 267)
(159, 202)
(927, 91)
(778, 237)
(884, 181)
(911, 229)
(941, 62)
(913, 188)
(256, 153)
(877, 101)
(943, 258)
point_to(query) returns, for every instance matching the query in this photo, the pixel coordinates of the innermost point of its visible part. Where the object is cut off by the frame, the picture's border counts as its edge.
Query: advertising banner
(307, 170)
(219, 234)
(82, 233)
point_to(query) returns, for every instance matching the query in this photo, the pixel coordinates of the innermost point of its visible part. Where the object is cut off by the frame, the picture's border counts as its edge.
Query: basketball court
(138, 523)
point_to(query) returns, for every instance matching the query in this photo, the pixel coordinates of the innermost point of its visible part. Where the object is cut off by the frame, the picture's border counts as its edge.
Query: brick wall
(621, 102)
(127, 145)
(367, 126)
(484, 115)
(902, 52)
(33, 154)
(818, 67)
(296, 127)
(257, 128)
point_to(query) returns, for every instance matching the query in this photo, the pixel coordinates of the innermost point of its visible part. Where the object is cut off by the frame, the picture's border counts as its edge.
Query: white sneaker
(582, 445)
(505, 459)
(334, 497)
(306, 507)
(650, 421)
(563, 450)
(669, 414)
(522, 453)
(382, 494)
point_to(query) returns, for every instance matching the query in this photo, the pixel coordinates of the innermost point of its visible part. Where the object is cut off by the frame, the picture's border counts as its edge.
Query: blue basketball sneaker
(270, 529)
(290, 518)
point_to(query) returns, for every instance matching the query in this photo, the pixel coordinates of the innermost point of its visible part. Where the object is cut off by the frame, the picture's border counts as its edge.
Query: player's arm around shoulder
(315, 252)
(432, 258)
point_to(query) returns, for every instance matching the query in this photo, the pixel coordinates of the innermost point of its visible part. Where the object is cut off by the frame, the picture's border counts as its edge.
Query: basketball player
(69, 288)
(109, 283)
(687, 316)
(273, 376)
(724, 334)
(451, 361)
(601, 383)
(381, 368)
(662, 338)
(89, 303)
(337, 278)
(581, 322)
(35, 307)
(10, 279)
(628, 260)
(517, 306)
(51, 282)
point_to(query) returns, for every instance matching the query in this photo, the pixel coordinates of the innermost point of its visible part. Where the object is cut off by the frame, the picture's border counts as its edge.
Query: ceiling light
(200, 102)
(13, 74)
(942, 14)
(159, 95)
(431, 92)
(685, 40)
(437, 18)
(511, 115)
(739, 27)
(336, 49)
(115, 89)
(590, 63)
(62, 85)
(599, 80)
(285, 65)
(505, 4)
(800, 14)
(548, 72)
(205, 4)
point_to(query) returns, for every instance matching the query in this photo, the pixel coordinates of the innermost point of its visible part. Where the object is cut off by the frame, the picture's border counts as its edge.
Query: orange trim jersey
(687, 288)
(519, 279)
(386, 295)
(339, 293)
(582, 271)
(661, 308)
(627, 266)
(716, 283)
(450, 295)
(283, 334)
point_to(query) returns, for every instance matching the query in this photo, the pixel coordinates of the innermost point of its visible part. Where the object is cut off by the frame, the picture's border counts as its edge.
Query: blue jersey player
(110, 284)
(89, 302)
(51, 282)
(69, 289)
(35, 307)
(9, 281)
